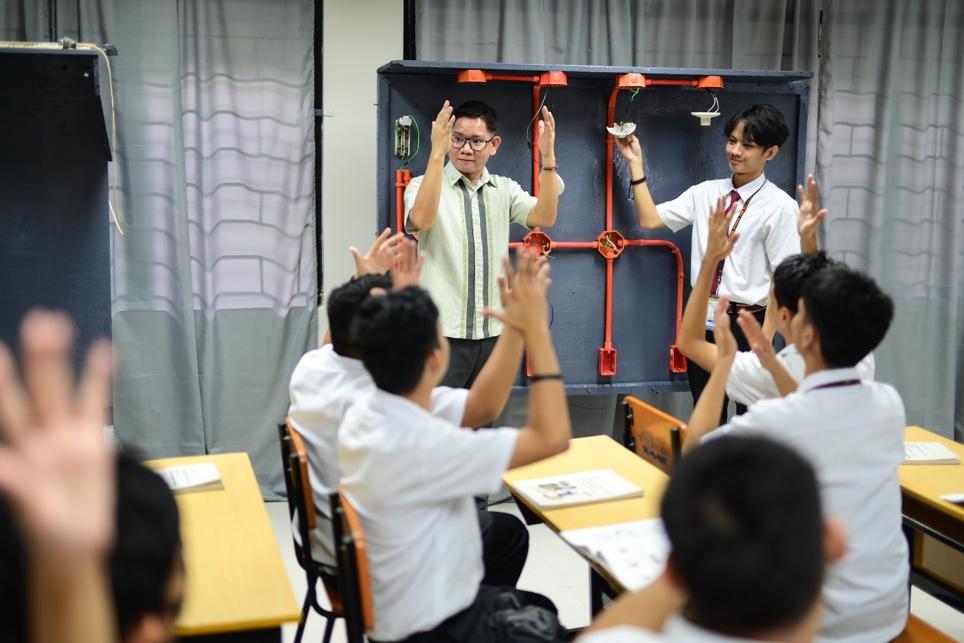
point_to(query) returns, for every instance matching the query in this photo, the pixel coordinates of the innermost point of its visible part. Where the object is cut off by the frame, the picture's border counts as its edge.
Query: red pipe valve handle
(537, 243)
(677, 361)
(607, 361)
(610, 243)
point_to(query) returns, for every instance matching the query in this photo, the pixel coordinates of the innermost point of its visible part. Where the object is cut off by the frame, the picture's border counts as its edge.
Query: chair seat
(918, 631)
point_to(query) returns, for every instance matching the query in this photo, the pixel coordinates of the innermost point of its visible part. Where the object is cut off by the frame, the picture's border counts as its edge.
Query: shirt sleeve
(448, 462)
(782, 238)
(620, 634)
(749, 382)
(449, 403)
(680, 212)
(520, 202)
(411, 191)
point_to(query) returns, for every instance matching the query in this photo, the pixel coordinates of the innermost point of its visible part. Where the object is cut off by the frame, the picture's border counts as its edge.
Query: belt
(736, 307)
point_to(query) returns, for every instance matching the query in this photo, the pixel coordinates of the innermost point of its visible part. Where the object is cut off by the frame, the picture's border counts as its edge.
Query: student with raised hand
(412, 475)
(748, 548)
(852, 432)
(57, 472)
(329, 380)
(765, 217)
(760, 372)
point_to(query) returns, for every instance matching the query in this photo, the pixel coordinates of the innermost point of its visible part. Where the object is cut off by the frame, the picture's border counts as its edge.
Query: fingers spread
(46, 338)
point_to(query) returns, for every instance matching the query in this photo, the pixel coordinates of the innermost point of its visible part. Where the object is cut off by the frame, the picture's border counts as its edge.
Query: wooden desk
(236, 580)
(927, 518)
(586, 454)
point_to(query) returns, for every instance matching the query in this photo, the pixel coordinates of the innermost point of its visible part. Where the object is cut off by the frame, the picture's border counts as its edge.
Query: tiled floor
(554, 570)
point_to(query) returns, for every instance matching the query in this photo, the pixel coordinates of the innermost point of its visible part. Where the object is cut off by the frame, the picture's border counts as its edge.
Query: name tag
(711, 312)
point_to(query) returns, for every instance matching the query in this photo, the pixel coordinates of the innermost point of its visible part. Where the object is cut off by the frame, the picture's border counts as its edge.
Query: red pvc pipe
(399, 200)
(679, 271)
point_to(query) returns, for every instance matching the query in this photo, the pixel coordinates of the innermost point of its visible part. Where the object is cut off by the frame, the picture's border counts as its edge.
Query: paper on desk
(929, 453)
(633, 552)
(190, 476)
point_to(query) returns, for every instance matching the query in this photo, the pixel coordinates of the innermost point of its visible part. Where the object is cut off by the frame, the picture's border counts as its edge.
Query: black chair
(300, 504)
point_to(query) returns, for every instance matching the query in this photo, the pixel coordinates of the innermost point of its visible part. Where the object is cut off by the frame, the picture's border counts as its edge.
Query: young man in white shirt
(329, 380)
(851, 430)
(748, 544)
(411, 475)
(761, 372)
(766, 216)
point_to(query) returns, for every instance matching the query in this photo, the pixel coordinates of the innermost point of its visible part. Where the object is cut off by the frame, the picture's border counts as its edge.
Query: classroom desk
(586, 454)
(928, 517)
(237, 587)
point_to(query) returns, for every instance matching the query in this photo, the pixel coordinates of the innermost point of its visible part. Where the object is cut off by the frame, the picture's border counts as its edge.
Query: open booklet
(202, 476)
(929, 453)
(577, 488)
(634, 553)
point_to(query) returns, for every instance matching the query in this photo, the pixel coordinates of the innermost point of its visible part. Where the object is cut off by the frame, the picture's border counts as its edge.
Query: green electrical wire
(535, 116)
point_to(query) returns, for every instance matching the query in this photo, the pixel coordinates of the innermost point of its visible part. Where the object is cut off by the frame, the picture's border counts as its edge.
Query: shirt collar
(453, 176)
(828, 376)
(349, 365)
(397, 406)
(679, 629)
(747, 190)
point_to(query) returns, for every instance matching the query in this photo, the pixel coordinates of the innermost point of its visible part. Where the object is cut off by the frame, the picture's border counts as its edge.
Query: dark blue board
(679, 153)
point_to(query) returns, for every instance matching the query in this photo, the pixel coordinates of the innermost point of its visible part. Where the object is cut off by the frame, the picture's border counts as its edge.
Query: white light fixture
(622, 130)
(710, 114)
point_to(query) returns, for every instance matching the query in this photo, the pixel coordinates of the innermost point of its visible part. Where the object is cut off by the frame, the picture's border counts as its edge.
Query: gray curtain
(884, 132)
(213, 285)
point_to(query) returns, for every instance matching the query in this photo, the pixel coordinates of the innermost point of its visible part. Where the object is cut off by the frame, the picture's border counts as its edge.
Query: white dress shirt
(323, 387)
(676, 630)
(853, 435)
(768, 233)
(412, 477)
(749, 382)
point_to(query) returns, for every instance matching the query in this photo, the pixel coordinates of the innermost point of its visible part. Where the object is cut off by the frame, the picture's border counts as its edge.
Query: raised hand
(407, 265)
(723, 335)
(547, 137)
(380, 255)
(56, 466)
(523, 294)
(442, 131)
(759, 344)
(719, 242)
(808, 223)
(630, 148)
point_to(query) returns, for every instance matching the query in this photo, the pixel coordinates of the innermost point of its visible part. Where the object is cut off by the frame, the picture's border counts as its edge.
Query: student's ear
(834, 540)
(496, 142)
(771, 152)
(149, 629)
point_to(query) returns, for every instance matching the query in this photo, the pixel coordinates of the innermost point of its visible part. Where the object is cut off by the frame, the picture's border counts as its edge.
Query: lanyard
(836, 384)
(718, 276)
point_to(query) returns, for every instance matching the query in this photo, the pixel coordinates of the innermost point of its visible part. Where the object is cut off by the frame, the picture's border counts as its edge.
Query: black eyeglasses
(477, 144)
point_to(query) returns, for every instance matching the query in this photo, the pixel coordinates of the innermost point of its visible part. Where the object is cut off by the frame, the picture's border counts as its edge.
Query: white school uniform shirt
(768, 233)
(854, 437)
(323, 387)
(412, 477)
(676, 630)
(749, 382)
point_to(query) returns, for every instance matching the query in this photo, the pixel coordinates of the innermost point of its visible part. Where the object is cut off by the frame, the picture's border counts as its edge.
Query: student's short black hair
(792, 273)
(395, 335)
(850, 312)
(147, 545)
(763, 125)
(744, 523)
(343, 303)
(478, 109)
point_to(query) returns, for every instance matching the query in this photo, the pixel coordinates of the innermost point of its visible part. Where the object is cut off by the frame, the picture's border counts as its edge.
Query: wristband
(638, 181)
(544, 376)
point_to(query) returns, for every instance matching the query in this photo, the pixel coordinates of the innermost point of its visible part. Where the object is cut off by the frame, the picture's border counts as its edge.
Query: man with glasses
(461, 215)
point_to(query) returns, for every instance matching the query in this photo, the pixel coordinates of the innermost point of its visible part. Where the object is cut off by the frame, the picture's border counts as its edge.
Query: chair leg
(329, 628)
(305, 608)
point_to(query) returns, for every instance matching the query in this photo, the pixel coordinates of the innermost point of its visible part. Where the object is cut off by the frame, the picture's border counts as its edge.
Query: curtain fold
(214, 282)
(884, 133)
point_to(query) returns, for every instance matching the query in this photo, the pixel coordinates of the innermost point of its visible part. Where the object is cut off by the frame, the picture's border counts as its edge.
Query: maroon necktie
(718, 274)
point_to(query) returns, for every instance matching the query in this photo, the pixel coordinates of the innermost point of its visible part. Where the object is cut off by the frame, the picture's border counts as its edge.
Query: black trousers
(468, 356)
(505, 545)
(499, 615)
(698, 377)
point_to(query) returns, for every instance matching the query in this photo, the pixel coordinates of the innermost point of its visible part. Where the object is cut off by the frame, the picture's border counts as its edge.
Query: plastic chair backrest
(301, 462)
(284, 439)
(653, 435)
(352, 542)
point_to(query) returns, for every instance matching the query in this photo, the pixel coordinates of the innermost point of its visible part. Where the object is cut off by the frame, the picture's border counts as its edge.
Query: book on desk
(579, 488)
(929, 453)
(634, 553)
